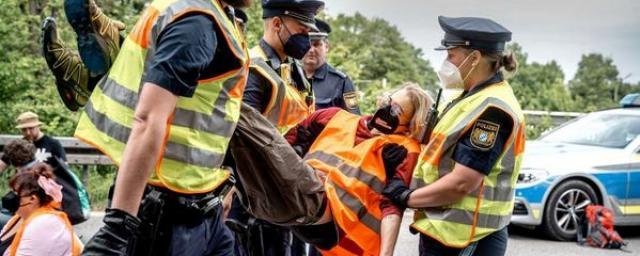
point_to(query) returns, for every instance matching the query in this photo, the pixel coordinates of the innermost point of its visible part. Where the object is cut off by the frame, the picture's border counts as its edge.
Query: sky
(561, 30)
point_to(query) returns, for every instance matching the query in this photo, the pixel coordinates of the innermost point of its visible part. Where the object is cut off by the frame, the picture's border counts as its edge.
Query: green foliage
(536, 128)
(596, 84)
(376, 56)
(539, 86)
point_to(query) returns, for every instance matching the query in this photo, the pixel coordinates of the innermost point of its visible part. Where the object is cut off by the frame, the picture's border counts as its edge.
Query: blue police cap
(473, 33)
(301, 10)
(323, 30)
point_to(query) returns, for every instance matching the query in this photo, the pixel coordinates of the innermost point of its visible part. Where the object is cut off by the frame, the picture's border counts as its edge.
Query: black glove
(304, 139)
(397, 191)
(392, 156)
(116, 236)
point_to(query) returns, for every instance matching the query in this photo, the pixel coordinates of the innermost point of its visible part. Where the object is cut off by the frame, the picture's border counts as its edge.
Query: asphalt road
(522, 242)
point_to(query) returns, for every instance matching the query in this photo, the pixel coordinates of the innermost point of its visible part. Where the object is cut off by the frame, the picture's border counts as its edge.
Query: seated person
(43, 229)
(332, 199)
(19, 153)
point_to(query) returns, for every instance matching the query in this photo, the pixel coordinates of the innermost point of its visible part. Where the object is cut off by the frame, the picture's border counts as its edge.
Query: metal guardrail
(77, 151)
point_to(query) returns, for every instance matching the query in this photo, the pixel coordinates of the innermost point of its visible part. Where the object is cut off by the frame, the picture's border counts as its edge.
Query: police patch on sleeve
(350, 99)
(483, 134)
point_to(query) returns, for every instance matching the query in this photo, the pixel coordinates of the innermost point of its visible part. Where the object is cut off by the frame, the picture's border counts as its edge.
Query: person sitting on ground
(21, 154)
(332, 199)
(44, 229)
(47, 148)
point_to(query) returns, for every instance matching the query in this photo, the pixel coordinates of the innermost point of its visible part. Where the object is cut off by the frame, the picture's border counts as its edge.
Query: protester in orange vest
(42, 229)
(352, 156)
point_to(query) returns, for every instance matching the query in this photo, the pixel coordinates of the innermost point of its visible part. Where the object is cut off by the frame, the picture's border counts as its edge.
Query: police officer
(467, 173)
(276, 87)
(331, 87)
(166, 116)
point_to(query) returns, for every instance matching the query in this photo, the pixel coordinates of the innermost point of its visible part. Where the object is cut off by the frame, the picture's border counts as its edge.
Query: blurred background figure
(40, 227)
(331, 87)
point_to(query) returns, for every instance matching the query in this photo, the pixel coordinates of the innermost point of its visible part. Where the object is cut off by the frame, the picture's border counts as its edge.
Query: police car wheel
(565, 209)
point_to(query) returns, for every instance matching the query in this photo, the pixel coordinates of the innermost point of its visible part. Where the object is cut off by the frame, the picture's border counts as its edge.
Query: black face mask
(386, 119)
(297, 45)
(11, 201)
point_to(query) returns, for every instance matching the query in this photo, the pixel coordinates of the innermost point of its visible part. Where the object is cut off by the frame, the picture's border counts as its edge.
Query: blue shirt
(331, 87)
(185, 53)
(478, 156)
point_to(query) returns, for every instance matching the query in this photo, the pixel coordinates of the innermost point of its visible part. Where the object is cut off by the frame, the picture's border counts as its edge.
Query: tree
(25, 81)
(371, 51)
(596, 84)
(539, 86)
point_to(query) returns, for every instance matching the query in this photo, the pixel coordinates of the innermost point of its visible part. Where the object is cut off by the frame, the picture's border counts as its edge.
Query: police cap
(473, 33)
(323, 30)
(301, 10)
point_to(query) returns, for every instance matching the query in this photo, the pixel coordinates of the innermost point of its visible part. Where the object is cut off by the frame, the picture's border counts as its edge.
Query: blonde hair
(421, 102)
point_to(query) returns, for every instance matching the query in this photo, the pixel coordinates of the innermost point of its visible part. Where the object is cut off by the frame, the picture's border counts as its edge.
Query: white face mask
(450, 77)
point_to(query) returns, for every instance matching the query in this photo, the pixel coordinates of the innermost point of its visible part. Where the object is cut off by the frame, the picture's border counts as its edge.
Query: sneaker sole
(67, 93)
(78, 15)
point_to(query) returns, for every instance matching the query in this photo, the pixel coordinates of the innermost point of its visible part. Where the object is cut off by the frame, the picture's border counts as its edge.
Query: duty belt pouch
(279, 187)
(155, 228)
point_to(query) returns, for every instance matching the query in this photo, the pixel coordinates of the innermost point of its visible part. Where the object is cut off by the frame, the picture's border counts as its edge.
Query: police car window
(598, 129)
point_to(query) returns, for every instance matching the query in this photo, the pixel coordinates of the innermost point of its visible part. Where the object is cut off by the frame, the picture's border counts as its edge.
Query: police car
(594, 159)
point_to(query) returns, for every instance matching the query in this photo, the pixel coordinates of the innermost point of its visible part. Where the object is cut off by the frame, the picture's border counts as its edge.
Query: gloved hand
(304, 139)
(392, 156)
(397, 191)
(120, 230)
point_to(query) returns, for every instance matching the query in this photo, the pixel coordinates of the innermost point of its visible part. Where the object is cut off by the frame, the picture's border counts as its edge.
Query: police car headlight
(531, 175)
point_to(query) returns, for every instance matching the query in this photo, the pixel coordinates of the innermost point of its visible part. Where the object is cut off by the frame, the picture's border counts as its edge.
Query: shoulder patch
(350, 99)
(483, 134)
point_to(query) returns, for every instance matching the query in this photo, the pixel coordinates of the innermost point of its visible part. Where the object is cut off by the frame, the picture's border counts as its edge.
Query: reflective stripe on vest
(355, 179)
(76, 247)
(200, 127)
(287, 106)
(488, 208)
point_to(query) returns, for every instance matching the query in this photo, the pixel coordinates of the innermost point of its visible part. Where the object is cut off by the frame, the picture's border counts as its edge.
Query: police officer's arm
(475, 155)
(257, 92)
(185, 48)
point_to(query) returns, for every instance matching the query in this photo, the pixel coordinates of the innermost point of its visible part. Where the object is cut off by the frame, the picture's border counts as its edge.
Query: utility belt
(161, 209)
(185, 208)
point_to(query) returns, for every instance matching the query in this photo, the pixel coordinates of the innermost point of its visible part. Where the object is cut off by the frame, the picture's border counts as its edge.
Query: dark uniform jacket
(333, 88)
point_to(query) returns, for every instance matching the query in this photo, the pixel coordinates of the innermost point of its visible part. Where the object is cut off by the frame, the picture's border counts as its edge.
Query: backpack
(75, 199)
(597, 229)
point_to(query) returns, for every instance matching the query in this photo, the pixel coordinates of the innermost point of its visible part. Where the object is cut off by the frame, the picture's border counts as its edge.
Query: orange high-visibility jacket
(76, 246)
(355, 179)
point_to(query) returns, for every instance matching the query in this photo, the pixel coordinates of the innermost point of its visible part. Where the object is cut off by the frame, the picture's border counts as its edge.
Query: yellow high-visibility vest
(201, 126)
(489, 208)
(287, 105)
